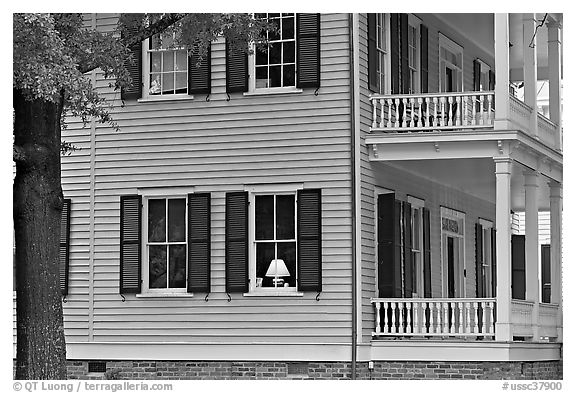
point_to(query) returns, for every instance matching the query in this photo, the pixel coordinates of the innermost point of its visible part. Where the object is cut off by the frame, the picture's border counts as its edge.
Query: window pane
(261, 56)
(177, 269)
(275, 53)
(155, 84)
(156, 220)
(264, 255)
(275, 80)
(176, 220)
(262, 77)
(168, 83)
(181, 61)
(168, 62)
(288, 52)
(181, 83)
(264, 217)
(157, 266)
(285, 217)
(155, 61)
(287, 252)
(289, 75)
(287, 28)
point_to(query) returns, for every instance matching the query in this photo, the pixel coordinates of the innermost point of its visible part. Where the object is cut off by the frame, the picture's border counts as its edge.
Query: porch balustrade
(521, 318)
(434, 317)
(547, 320)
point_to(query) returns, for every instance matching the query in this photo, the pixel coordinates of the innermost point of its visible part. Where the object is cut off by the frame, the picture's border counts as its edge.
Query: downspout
(355, 161)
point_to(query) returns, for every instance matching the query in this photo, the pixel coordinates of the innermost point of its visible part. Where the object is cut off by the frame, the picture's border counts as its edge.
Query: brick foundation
(148, 370)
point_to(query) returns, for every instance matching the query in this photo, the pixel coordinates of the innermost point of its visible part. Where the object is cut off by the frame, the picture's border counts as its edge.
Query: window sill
(274, 91)
(166, 98)
(164, 295)
(273, 294)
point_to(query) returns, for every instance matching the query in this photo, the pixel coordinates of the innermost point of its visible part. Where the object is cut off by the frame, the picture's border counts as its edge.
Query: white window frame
(253, 90)
(417, 206)
(146, 96)
(383, 52)
(160, 193)
(415, 71)
(484, 75)
(460, 285)
(446, 43)
(253, 191)
(487, 255)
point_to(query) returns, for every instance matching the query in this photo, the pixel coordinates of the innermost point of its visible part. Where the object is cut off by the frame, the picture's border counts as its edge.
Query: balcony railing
(547, 320)
(433, 111)
(522, 318)
(434, 317)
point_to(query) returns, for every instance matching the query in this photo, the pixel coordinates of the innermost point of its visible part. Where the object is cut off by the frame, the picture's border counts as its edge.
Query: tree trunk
(41, 348)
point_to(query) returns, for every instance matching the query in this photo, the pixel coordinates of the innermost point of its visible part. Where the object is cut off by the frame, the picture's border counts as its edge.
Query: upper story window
(413, 54)
(382, 48)
(276, 67)
(167, 71)
(451, 65)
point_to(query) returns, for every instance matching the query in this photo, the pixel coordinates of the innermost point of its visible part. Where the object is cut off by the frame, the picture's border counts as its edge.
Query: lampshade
(277, 268)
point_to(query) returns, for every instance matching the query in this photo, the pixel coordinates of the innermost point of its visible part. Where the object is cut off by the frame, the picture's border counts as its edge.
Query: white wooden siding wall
(403, 183)
(217, 147)
(543, 226)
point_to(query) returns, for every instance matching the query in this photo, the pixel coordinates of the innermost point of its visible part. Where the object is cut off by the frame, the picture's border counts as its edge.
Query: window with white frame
(484, 76)
(487, 273)
(382, 45)
(165, 67)
(417, 247)
(413, 54)
(451, 65)
(164, 238)
(276, 66)
(274, 241)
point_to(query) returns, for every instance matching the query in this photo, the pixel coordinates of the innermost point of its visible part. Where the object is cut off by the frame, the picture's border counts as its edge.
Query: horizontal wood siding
(217, 146)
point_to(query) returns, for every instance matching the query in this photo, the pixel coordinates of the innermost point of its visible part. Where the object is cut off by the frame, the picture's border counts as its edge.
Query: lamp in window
(278, 270)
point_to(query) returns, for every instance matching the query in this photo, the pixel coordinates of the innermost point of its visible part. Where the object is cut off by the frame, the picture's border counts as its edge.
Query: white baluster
(446, 328)
(377, 318)
(427, 118)
(453, 318)
(374, 111)
(408, 318)
(435, 119)
(476, 325)
(490, 118)
(401, 317)
(397, 119)
(389, 123)
(438, 318)
(465, 110)
(468, 322)
(481, 109)
(492, 318)
(419, 122)
(404, 112)
(476, 99)
(393, 326)
(382, 115)
(458, 110)
(450, 100)
(417, 308)
(484, 317)
(386, 327)
(442, 108)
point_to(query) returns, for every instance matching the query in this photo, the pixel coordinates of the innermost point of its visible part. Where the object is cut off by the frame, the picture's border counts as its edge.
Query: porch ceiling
(474, 176)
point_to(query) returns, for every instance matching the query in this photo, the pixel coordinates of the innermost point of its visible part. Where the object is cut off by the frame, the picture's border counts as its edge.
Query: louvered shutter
(199, 75)
(395, 52)
(427, 260)
(407, 232)
(236, 70)
(236, 242)
(199, 242)
(134, 91)
(385, 245)
(65, 246)
(130, 243)
(398, 248)
(372, 54)
(423, 59)
(308, 50)
(493, 243)
(545, 269)
(476, 76)
(404, 62)
(479, 261)
(518, 267)
(309, 237)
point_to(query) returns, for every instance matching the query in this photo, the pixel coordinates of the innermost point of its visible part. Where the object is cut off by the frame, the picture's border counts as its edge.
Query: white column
(556, 250)
(554, 75)
(530, 68)
(532, 252)
(503, 250)
(502, 71)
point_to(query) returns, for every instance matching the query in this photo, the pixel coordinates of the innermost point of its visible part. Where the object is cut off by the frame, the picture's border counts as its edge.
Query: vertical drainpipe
(355, 161)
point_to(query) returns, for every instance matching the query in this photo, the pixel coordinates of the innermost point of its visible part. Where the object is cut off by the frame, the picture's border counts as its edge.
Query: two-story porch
(493, 291)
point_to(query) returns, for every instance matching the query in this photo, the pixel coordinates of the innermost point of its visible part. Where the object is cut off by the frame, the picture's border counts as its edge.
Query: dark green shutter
(130, 243)
(134, 91)
(404, 63)
(476, 76)
(546, 276)
(427, 260)
(407, 231)
(491, 80)
(308, 50)
(236, 70)
(395, 53)
(65, 246)
(493, 243)
(423, 59)
(309, 236)
(199, 242)
(518, 267)
(479, 261)
(386, 245)
(236, 242)
(199, 75)
(372, 54)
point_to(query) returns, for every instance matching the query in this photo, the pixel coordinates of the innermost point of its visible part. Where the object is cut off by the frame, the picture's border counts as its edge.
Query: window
(452, 251)
(276, 66)
(165, 244)
(451, 61)
(275, 241)
(166, 73)
(417, 249)
(413, 54)
(382, 45)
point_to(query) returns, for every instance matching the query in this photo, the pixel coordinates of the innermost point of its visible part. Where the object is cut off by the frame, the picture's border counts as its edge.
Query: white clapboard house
(348, 197)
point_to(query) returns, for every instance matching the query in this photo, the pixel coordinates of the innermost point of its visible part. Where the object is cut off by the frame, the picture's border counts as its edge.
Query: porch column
(503, 250)
(530, 68)
(531, 247)
(554, 77)
(502, 71)
(556, 250)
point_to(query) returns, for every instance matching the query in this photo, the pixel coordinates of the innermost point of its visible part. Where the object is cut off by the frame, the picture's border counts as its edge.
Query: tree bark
(41, 347)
